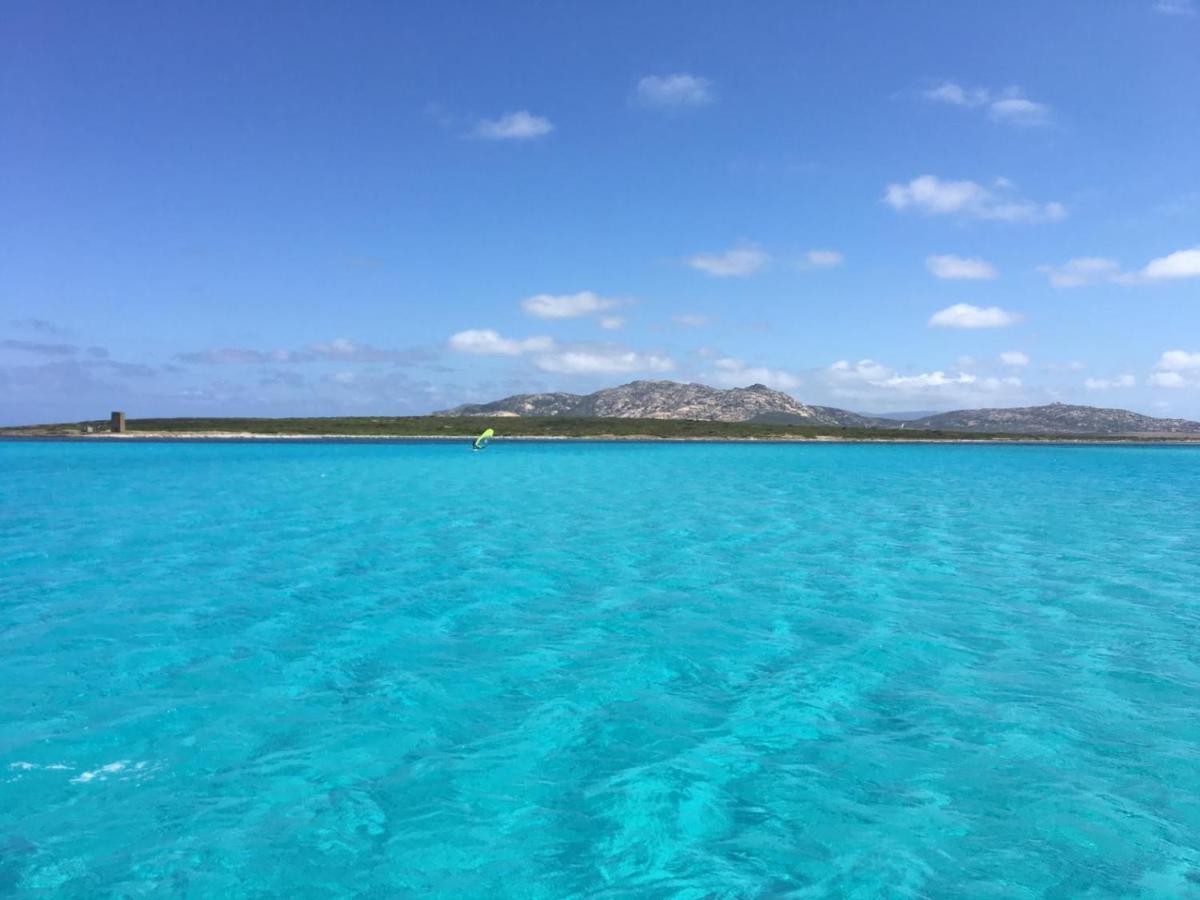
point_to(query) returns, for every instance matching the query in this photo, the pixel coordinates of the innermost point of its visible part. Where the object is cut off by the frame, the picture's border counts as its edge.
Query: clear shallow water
(599, 670)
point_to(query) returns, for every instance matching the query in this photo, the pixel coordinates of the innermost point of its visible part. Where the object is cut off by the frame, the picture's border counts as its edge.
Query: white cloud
(567, 306)
(1014, 358)
(1019, 111)
(863, 370)
(1103, 384)
(515, 126)
(931, 195)
(586, 361)
(690, 320)
(1177, 369)
(1088, 270)
(959, 268)
(485, 341)
(964, 315)
(1179, 361)
(929, 380)
(732, 372)
(612, 323)
(955, 94)
(1008, 106)
(1175, 7)
(870, 381)
(1169, 380)
(743, 260)
(823, 259)
(550, 356)
(1180, 264)
(679, 90)
(1082, 271)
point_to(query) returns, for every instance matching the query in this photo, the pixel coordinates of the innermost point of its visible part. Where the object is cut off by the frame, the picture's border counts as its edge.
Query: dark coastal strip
(421, 428)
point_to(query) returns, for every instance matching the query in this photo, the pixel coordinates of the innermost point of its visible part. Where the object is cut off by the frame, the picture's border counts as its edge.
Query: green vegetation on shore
(534, 426)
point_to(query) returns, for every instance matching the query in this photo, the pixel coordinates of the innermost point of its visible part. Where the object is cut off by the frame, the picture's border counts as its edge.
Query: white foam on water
(22, 766)
(102, 772)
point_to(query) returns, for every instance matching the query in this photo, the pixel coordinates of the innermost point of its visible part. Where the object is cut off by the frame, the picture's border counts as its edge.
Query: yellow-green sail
(482, 440)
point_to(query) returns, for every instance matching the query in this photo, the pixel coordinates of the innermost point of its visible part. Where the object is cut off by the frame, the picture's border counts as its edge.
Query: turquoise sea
(599, 670)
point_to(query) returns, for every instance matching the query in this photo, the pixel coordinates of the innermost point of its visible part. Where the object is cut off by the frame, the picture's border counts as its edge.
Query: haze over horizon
(386, 209)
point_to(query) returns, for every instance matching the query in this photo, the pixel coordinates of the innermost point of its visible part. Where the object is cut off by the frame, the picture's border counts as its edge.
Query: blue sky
(382, 208)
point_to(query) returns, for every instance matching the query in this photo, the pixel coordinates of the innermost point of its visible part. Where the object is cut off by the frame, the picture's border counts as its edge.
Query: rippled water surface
(698, 670)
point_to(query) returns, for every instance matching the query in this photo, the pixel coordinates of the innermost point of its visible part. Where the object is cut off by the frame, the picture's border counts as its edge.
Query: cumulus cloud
(1179, 361)
(959, 268)
(551, 356)
(1180, 264)
(1087, 270)
(823, 259)
(1125, 380)
(1014, 358)
(731, 372)
(515, 126)
(1169, 380)
(690, 320)
(674, 91)
(743, 260)
(612, 323)
(1177, 369)
(486, 342)
(1009, 106)
(567, 306)
(587, 361)
(964, 315)
(932, 196)
(875, 382)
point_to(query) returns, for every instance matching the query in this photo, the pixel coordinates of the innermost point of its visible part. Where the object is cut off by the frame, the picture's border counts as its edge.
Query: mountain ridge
(759, 403)
(668, 400)
(1054, 418)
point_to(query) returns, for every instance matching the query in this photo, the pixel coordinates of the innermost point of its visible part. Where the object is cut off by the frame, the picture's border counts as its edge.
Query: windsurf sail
(482, 440)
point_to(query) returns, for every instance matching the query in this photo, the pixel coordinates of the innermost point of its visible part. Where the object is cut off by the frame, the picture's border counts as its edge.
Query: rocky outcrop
(669, 400)
(759, 403)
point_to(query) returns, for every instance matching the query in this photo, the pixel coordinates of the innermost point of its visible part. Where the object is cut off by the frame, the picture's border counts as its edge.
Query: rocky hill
(758, 403)
(670, 400)
(1055, 418)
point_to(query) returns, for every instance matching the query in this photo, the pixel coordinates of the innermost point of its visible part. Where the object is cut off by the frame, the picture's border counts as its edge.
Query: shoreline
(251, 437)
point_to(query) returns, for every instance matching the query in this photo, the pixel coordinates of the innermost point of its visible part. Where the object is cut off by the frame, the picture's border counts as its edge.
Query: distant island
(662, 410)
(758, 404)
